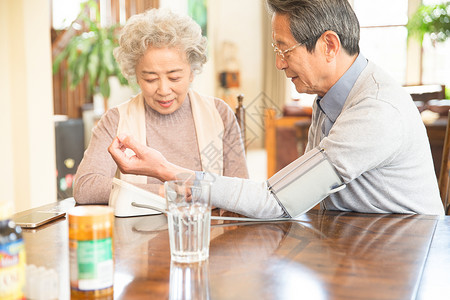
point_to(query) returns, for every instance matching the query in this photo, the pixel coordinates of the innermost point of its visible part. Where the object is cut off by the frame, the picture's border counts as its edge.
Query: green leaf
(108, 58)
(93, 65)
(58, 60)
(430, 19)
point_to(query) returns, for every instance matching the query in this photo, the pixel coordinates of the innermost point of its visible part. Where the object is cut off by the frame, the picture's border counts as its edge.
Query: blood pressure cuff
(305, 182)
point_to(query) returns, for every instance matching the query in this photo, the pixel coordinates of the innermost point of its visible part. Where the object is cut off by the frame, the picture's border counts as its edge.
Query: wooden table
(328, 255)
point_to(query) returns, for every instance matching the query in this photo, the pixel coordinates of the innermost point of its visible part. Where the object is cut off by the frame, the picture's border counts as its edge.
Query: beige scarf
(208, 127)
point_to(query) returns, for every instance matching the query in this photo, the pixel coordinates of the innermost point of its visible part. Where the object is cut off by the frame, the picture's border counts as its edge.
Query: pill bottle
(91, 250)
(12, 256)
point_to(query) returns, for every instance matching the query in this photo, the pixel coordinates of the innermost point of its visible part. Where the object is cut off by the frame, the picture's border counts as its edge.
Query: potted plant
(90, 53)
(430, 19)
(433, 20)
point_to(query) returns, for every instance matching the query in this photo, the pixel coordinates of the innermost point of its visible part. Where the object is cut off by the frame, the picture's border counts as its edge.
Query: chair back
(445, 168)
(426, 92)
(282, 138)
(240, 116)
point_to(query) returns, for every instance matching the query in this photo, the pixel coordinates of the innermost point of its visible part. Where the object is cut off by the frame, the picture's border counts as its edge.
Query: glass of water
(189, 219)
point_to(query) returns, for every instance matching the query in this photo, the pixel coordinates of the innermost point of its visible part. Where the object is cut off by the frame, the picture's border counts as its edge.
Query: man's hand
(145, 161)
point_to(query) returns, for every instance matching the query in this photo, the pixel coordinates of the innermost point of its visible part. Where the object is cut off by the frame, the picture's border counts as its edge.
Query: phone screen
(37, 218)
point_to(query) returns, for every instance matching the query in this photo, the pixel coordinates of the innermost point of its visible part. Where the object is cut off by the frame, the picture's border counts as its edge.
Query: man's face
(305, 69)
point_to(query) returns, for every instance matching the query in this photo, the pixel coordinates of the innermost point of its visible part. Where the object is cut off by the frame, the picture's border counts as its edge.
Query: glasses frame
(282, 53)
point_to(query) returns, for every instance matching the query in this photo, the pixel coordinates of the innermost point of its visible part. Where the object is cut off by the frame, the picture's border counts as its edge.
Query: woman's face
(164, 76)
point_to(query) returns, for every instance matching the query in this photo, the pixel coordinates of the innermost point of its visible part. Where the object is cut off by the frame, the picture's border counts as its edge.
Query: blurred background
(49, 103)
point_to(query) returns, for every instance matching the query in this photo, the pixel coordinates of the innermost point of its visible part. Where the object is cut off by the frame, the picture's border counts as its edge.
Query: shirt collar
(332, 102)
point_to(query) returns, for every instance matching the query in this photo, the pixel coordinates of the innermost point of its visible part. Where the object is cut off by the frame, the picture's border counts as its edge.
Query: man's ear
(332, 44)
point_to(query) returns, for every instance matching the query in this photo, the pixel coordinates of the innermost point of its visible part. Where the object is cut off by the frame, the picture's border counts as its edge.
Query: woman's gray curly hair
(159, 28)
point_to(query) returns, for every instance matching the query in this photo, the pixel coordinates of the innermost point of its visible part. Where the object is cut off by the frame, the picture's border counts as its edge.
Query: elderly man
(366, 123)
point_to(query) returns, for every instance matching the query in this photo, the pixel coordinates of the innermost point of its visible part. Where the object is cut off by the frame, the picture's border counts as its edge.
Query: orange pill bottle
(91, 252)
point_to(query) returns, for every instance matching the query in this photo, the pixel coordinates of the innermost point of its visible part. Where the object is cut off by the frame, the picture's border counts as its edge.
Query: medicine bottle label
(12, 270)
(92, 266)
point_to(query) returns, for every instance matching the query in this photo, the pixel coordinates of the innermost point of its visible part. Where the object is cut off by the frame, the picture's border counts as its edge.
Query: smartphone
(37, 218)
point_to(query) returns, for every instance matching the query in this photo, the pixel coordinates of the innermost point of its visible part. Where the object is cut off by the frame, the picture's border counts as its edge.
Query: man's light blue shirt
(332, 102)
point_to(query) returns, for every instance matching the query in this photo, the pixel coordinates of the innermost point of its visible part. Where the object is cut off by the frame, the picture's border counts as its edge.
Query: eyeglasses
(282, 53)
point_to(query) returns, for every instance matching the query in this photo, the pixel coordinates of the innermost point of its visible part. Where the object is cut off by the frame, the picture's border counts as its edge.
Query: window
(64, 12)
(383, 37)
(435, 59)
(383, 34)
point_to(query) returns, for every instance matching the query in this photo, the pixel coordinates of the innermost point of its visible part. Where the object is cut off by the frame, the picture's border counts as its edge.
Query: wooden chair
(240, 116)
(281, 139)
(445, 169)
(425, 93)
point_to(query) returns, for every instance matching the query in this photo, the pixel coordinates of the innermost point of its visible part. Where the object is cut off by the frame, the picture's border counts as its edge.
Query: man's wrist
(167, 172)
(173, 172)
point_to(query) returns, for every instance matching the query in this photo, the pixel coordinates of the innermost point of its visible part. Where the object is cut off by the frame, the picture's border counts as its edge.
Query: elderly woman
(162, 51)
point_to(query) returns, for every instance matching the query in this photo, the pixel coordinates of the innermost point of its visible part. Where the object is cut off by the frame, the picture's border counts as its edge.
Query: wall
(27, 155)
(233, 21)
(6, 151)
(240, 23)
(414, 52)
